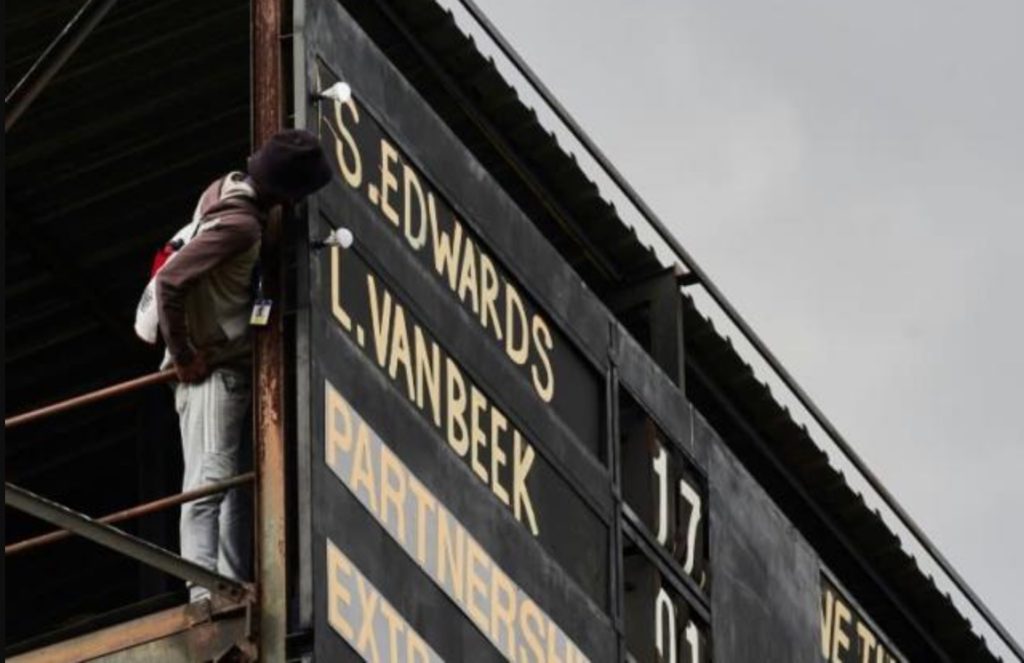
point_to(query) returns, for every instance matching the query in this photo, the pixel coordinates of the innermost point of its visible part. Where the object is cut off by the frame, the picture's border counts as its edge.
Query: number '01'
(666, 633)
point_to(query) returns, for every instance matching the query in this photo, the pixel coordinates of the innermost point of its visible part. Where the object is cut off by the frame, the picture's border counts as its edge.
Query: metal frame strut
(122, 542)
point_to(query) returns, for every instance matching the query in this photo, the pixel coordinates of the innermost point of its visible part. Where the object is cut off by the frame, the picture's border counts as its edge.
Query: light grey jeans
(216, 531)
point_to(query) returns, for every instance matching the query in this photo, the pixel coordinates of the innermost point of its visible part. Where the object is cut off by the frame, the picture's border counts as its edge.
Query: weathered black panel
(424, 299)
(848, 635)
(339, 517)
(764, 576)
(660, 624)
(571, 532)
(660, 398)
(560, 555)
(415, 443)
(555, 545)
(399, 199)
(510, 236)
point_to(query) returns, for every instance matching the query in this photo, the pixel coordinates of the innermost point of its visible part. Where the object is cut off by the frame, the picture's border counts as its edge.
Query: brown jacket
(204, 294)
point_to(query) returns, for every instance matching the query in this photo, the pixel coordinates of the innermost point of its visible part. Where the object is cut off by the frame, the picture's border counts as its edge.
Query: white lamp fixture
(340, 237)
(340, 92)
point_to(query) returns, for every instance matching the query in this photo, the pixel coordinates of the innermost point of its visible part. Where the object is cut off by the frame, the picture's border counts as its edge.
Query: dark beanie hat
(291, 165)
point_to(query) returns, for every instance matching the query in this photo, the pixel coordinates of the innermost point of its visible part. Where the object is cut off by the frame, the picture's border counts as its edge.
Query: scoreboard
(490, 466)
(496, 470)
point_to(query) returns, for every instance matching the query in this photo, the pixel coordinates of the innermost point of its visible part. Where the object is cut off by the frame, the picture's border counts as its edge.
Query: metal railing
(701, 279)
(101, 530)
(91, 397)
(137, 511)
(122, 542)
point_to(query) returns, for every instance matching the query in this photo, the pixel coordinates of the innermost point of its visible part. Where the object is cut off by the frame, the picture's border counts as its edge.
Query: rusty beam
(269, 413)
(212, 624)
(92, 397)
(53, 58)
(135, 512)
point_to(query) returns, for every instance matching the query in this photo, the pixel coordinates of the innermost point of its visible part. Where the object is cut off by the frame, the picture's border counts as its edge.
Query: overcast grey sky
(851, 175)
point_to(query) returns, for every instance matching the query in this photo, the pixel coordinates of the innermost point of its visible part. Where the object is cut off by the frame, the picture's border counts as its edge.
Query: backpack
(147, 322)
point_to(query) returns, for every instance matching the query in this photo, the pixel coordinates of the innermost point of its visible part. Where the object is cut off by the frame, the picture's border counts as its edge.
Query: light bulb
(340, 92)
(342, 237)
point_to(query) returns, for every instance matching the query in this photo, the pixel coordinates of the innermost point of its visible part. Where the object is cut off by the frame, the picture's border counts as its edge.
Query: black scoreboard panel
(495, 469)
(491, 468)
(401, 198)
(672, 632)
(663, 491)
(664, 544)
(497, 447)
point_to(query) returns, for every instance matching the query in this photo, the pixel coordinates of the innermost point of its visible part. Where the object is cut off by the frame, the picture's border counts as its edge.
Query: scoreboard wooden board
(491, 468)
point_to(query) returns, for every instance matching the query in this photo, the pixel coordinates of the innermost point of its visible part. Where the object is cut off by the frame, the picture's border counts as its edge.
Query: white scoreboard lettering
(678, 496)
(848, 636)
(662, 488)
(667, 618)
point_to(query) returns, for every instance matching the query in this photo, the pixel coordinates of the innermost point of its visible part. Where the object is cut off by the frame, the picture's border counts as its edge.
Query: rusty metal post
(269, 354)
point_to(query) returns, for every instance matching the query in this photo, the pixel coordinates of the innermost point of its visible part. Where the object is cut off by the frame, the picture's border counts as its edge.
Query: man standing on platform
(205, 302)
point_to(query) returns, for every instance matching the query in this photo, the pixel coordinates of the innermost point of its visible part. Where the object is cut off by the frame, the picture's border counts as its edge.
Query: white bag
(147, 321)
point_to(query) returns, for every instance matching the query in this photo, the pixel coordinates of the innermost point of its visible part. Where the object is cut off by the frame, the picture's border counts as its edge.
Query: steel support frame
(617, 576)
(269, 368)
(206, 628)
(305, 117)
(660, 291)
(135, 512)
(122, 542)
(53, 58)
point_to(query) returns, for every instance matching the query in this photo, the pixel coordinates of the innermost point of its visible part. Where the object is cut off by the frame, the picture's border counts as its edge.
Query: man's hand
(193, 371)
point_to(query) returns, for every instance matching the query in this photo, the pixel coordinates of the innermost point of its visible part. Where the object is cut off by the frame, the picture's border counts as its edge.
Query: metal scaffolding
(231, 593)
(264, 601)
